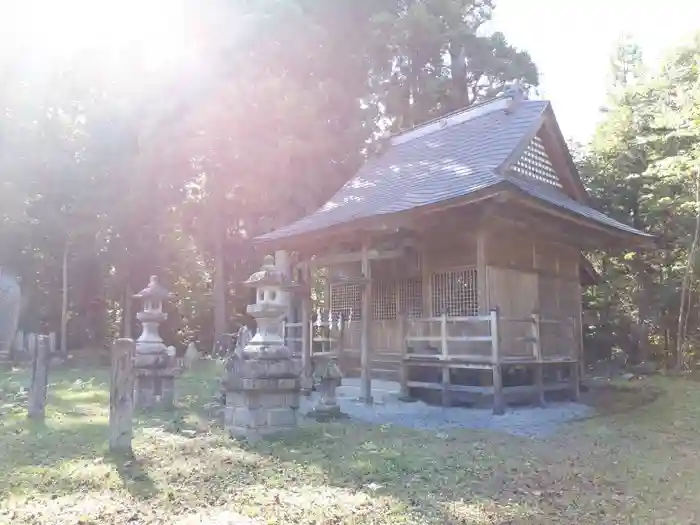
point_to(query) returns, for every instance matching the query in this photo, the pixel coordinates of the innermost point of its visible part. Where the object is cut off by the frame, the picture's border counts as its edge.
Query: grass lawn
(640, 466)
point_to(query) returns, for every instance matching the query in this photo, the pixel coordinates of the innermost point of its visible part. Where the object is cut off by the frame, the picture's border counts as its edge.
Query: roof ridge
(402, 136)
(460, 117)
(450, 114)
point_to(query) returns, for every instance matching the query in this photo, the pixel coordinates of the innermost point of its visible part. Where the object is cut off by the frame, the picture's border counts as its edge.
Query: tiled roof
(440, 164)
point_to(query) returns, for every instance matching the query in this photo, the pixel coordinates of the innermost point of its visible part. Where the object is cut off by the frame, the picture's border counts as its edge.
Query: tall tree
(438, 59)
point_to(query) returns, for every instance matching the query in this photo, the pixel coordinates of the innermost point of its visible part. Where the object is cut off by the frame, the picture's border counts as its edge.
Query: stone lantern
(155, 368)
(262, 383)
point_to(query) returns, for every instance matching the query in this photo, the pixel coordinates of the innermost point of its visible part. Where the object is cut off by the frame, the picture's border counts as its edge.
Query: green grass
(636, 466)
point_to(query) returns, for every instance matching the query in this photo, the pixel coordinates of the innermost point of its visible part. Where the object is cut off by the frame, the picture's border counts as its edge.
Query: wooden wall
(520, 274)
(527, 274)
(386, 349)
(437, 254)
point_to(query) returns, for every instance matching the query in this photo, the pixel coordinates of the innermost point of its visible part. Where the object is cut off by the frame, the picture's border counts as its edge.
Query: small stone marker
(18, 344)
(31, 344)
(40, 375)
(52, 343)
(191, 355)
(329, 379)
(121, 395)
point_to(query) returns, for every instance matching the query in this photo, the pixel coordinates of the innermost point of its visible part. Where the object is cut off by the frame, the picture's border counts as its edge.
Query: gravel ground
(534, 422)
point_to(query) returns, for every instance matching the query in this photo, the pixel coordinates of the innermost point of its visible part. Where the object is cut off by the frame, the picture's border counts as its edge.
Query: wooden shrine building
(455, 260)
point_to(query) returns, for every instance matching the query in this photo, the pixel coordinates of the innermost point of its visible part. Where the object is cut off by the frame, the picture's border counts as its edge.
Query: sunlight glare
(154, 33)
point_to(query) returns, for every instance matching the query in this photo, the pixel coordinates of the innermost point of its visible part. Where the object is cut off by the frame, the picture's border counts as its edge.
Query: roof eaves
(485, 192)
(570, 208)
(551, 119)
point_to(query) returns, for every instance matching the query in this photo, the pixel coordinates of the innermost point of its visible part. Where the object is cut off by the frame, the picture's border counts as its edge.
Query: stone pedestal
(10, 300)
(154, 389)
(262, 392)
(329, 379)
(155, 380)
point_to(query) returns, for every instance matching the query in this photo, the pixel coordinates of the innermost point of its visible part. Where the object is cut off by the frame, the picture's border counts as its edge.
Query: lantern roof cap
(154, 290)
(268, 275)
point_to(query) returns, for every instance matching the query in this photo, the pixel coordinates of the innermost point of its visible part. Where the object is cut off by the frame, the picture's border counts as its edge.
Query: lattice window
(346, 300)
(383, 300)
(455, 293)
(535, 164)
(410, 295)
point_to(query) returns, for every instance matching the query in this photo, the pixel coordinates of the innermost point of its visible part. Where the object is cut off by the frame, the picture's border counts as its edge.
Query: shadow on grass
(132, 474)
(428, 478)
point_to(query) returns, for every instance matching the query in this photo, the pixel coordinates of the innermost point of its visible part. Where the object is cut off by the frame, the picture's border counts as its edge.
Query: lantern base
(154, 389)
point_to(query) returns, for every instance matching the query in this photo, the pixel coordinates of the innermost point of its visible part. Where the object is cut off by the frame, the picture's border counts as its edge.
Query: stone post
(155, 368)
(40, 376)
(10, 300)
(329, 379)
(31, 344)
(18, 347)
(121, 395)
(191, 355)
(262, 381)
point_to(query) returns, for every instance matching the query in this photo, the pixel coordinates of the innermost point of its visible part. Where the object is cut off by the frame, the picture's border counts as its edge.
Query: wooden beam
(366, 343)
(330, 260)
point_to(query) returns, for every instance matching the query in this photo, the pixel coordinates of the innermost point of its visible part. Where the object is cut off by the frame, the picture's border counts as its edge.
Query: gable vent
(535, 164)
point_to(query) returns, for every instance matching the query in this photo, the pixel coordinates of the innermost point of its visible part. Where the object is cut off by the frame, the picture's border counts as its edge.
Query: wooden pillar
(482, 278)
(328, 314)
(498, 401)
(121, 396)
(306, 365)
(575, 372)
(495, 336)
(444, 360)
(497, 371)
(283, 264)
(403, 364)
(575, 383)
(40, 375)
(366, 343)
(537, 354)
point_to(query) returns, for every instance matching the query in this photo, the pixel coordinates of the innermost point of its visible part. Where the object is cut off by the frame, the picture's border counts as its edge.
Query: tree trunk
(127, 310)
(458, 70)
(219, 289)
(685, 289)
(64, 299)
